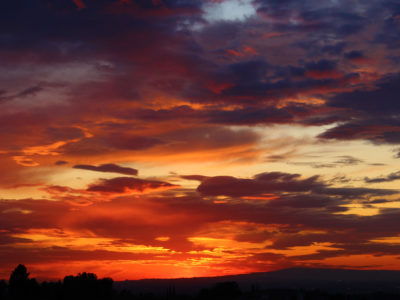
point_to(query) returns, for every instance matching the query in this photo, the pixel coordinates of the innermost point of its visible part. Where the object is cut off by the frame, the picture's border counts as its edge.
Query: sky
(183, 138)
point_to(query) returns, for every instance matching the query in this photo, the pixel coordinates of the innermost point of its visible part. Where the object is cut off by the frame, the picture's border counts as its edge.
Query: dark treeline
(87, 286)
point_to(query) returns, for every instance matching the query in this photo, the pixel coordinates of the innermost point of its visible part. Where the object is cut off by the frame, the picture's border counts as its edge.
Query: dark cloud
(374, 120)
(345, 160)
(355, 56)
(126, 184)
(340, 179)
(113, 168)
(324, 18)
(277, 182)
(391, 177)
(30, 91)
(249, 115)
(354, 192)
(390, 33)
(313, 164)
(322, 69)
(348, 160)
(260, 184)
(376, 130)
(334, 48)
(195, 177)
(365, 101)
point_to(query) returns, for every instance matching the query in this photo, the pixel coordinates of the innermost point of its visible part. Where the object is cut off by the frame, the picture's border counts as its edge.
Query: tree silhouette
(87, 286)
(19, 276)
(20, 286)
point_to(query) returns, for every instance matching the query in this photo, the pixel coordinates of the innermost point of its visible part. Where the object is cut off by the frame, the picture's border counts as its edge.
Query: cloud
(345, 160)
(377, 130)
(322, 69)
(365, 100)
(390, 30)
(121, 185)
(373, 121)
(126, 227)
(391, 177)
(348, 160)
(195, 177)
(356, 57)
(113, 168)
(30, 91)
(228, 10)
(311, 164)
(260, 184)
(277, 182)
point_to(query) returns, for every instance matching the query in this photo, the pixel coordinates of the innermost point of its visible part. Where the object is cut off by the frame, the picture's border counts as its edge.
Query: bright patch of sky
(229, 10)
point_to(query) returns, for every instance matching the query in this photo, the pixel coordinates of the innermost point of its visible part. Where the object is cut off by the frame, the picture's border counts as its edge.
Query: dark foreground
(288, 284)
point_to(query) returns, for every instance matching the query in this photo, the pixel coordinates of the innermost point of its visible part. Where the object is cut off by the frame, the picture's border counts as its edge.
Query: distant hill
(333, 280)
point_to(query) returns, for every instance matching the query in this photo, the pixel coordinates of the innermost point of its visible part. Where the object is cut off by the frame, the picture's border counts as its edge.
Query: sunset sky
(182, 138)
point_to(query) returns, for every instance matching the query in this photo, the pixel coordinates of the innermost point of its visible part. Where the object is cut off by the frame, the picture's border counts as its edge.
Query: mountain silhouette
(333, 280)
